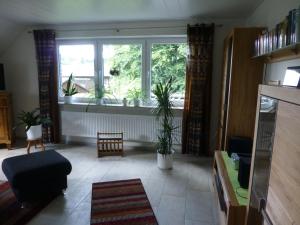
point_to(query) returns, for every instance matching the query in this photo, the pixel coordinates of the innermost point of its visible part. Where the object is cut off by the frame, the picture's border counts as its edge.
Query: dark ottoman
(37, 175)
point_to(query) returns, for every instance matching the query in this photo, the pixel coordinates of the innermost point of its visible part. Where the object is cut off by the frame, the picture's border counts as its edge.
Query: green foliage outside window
(125, 69)
(169, 60)
(166, 60)
(128, 59)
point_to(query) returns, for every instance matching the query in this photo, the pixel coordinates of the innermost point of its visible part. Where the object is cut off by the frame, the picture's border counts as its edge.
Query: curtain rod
(126, 28)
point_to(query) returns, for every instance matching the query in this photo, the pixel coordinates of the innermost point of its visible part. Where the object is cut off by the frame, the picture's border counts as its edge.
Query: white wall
(20, 63)
(268, 14)
(276, 71)
(271, 12)
(8, 33)
(21, 75)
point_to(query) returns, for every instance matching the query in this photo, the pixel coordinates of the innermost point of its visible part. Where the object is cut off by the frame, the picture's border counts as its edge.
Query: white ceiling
(16, 15)
(37, 12)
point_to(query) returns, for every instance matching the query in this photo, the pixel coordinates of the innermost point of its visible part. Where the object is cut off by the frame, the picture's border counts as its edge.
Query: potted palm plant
(33, 122)
(164, 114)
(70, 90)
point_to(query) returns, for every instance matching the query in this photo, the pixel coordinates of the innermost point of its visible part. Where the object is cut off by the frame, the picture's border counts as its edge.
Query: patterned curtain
(47, 75)
(196, 114)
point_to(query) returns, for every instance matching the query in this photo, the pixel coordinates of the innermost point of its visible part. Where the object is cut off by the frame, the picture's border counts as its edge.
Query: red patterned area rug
(11, 212)
(121, 202)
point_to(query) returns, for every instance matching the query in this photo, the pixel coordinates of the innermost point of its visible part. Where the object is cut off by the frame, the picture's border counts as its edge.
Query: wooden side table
(35, 143)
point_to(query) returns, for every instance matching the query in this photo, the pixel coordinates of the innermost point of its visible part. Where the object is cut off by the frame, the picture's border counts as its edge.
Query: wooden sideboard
(230, 210)
(274, 186)
(6, 136)
(280, 202)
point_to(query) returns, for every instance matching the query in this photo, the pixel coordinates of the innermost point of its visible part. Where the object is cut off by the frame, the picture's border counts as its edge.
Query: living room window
(118, 67)
(78, 60)
(122, 69)
(168, 59)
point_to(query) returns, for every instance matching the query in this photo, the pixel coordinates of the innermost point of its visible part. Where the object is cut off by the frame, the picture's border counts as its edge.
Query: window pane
(79, 61)
(169, 60)
(122, 68)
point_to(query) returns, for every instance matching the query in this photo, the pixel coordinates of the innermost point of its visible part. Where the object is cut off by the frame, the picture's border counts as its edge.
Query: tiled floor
(182, 196)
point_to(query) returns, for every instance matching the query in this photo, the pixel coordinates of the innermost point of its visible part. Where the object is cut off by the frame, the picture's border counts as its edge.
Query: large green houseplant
(33, 122)
(165, 116)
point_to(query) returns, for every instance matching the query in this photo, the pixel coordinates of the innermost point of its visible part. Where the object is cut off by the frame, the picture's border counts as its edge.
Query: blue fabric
(37, 174)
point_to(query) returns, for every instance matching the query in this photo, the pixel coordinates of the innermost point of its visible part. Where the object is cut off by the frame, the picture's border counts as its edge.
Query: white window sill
(113, 108)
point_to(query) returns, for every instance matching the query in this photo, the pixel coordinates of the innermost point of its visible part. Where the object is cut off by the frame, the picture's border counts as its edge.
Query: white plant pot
(164, 161)
(34, 132)
(68, 99)
(100, 101)
(124, 102)
(136, 102)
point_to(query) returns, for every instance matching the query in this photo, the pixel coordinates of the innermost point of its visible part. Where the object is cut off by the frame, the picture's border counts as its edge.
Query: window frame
(76, 42)
(151, 41)
(145, 42)
(120, 41)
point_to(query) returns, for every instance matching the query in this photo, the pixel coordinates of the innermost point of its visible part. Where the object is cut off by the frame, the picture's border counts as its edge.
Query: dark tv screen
(2, 81)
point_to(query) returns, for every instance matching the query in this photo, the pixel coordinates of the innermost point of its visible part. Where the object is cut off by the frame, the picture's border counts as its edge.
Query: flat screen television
(2, 81)
(292, 77)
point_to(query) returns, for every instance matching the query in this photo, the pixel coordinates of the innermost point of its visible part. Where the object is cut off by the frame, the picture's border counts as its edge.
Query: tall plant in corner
(164, 114)
(70, 90)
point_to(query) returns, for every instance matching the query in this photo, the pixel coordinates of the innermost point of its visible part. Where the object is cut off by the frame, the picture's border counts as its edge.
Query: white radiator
(135, 127)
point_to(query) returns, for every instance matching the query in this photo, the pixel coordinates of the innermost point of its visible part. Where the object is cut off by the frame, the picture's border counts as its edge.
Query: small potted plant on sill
(70, 90)
(33, 122)
(164, 114)
(96, 97)
(124, 102)
(99, 96)
(135, 95)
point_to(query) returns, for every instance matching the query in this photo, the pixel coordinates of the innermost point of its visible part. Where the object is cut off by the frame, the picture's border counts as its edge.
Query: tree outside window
(123, 67)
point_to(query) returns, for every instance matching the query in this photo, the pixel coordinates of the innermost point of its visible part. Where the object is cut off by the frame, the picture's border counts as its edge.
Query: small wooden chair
(109, 144)
(35, 143)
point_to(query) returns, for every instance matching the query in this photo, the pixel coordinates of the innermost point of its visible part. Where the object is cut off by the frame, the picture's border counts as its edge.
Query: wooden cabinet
(241, 77)
(5, 119)
(283, 201)
(281, 178)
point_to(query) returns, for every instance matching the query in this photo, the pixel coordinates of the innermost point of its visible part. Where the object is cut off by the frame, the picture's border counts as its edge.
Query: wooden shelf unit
(282, 205)
(285, 53)
(241, 76)
(285, 94)
(231, 213)
(6, 135)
